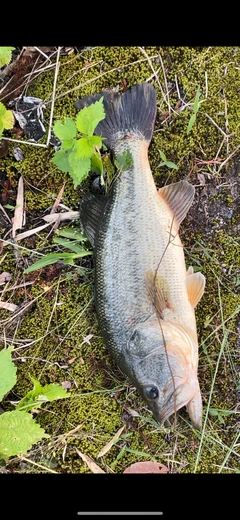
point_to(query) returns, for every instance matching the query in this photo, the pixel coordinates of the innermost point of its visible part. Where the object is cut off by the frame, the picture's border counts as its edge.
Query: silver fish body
(144, 296)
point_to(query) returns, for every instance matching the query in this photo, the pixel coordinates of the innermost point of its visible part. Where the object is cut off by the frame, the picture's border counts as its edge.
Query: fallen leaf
(147, 467)
(5, 277)
(30, 232)
(58, 199)
(68, 215)
(66, 384)
(90, 462)
(110, 443)
(19, 213)
(8, 306)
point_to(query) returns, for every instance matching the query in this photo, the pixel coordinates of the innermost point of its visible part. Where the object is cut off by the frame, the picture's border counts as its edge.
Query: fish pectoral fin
(179, 197)
(158, 291)
(91, 209)
(195, 286)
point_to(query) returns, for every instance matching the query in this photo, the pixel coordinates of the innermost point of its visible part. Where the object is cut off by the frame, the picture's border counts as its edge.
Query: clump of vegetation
(80, 153)
(6, 116)
(18, 430)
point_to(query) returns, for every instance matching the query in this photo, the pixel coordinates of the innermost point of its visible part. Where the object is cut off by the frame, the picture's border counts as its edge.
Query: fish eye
(151, 392)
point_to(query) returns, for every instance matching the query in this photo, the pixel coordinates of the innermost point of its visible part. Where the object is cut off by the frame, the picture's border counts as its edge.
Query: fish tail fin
(129, 114)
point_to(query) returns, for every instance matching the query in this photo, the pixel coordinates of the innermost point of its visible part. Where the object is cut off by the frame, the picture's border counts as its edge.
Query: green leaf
(8, 371)
(170, 164)
(191, 123)
(68, 144)
(71, 233)
(89, 117)
(3, 110)
(61, 160)
(5, 55)
(8, 119)
(96, 164)
(163, 156)
(79, 168)
(18, 432)
(40, 394)
(196, 101)
(83, 148)
(69, 244)
(95, 141)
(66, 130)
(47, 260)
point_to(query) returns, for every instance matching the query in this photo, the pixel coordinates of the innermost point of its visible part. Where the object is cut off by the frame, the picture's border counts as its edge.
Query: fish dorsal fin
(159, 293)
(195, 286)
(91, 209)
(179, 197)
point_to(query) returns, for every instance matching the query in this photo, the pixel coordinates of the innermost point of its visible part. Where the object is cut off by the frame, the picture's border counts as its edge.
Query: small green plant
(18, 429)
(80, 149)
(6, 119)
(70, 240)
(6, 116)
(165, 162)
(5, 55)
(196, 106)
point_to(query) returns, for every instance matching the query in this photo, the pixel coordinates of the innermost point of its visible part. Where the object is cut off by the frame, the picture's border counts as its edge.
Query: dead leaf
(147, 467)
(110, 443)
(68, 215)
(90, 462)
(66, 384)
(30, 232)
(58, 199)
(19, 213)
(8, 306)
(5, 277)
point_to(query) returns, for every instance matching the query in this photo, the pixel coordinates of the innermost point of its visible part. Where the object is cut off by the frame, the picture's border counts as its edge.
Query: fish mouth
(185, 394)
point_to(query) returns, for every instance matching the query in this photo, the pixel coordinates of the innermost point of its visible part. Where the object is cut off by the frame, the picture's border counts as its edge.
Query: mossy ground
(63, 341)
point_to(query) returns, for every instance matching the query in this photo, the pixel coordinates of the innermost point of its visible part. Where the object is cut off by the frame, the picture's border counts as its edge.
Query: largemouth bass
(145, 298)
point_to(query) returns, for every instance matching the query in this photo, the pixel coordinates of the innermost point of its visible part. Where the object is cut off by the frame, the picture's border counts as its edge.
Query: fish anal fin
(158, 291)
(179, 197)
(91, 209)
(195, 286)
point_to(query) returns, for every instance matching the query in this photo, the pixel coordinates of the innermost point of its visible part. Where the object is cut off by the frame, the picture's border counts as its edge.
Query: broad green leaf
(196, 101)
(191, 123)
(82, 148)
(3, 110)
(79, 168)
(163, 156)
(170, 164)
(5, 55)
(8, 371)
(8, 119)
(61, 160)
(67, 144)
(18, 432)
(66, 130)
(96, 164)
(40, 394)
(89, 117)
(95, 141)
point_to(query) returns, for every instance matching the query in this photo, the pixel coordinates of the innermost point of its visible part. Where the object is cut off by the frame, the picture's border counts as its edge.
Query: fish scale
(145, 298)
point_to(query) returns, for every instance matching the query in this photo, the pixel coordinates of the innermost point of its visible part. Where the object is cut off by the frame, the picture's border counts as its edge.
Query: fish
(145, 297)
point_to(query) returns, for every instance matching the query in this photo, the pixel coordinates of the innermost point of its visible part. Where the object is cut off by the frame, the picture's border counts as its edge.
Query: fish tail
(129, 114)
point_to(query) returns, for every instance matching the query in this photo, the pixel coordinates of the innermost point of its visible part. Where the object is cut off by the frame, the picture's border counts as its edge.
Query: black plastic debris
(28, 112)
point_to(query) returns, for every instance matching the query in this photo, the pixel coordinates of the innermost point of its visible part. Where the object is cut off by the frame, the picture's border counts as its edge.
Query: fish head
(162, 363)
